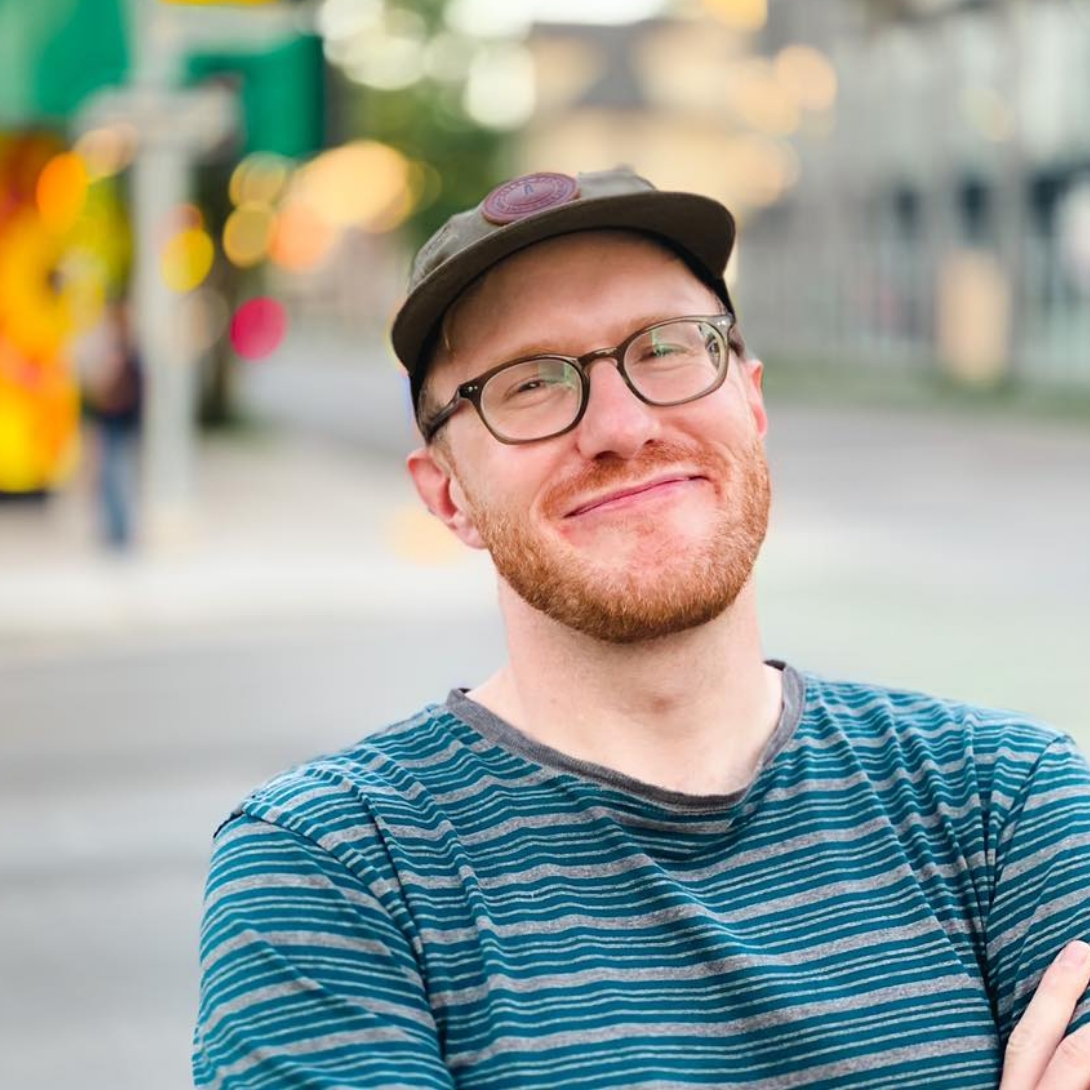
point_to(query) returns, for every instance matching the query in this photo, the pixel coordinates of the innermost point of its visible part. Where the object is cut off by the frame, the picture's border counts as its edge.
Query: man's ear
(753, 371)
(437, 485)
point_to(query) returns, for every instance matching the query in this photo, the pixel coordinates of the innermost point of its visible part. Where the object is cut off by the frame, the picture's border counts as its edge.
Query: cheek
(514, 483)
(736, 409)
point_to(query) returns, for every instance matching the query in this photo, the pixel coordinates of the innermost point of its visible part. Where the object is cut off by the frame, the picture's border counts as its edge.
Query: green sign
(54, 53)
(281, 92)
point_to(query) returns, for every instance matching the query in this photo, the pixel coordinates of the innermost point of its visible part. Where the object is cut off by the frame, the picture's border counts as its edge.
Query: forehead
(557, 292)
(602, 253)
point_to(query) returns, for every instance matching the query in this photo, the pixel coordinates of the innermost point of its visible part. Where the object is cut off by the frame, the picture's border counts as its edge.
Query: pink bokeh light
(258, 328)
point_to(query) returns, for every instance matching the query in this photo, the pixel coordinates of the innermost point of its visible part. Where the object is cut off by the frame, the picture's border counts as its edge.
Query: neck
(690, 712)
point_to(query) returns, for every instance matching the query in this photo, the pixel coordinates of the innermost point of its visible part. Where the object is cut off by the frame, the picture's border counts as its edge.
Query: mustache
(615, 473)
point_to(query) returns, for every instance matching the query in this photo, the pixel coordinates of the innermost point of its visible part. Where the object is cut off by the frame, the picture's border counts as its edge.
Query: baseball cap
(534, 207)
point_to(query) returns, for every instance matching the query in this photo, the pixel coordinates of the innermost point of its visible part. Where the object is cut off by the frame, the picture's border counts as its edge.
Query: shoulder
(875, 712)
(988, 750)
(388, 778)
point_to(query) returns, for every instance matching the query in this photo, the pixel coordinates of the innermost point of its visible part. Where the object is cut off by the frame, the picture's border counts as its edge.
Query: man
(639, 855)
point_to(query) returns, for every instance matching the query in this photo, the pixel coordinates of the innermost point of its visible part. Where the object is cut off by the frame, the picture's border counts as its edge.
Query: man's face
(643, 521)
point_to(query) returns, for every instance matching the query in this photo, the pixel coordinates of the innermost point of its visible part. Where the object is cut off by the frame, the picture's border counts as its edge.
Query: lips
(629, 491)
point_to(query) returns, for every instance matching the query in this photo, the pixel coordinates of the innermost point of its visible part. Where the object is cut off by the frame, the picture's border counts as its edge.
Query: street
(911, 548)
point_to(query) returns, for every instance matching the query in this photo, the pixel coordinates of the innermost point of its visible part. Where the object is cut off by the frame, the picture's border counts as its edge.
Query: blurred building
(912, 176)
(945, 215)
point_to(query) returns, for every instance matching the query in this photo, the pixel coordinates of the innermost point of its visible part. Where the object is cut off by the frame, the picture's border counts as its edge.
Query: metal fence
(887, 304)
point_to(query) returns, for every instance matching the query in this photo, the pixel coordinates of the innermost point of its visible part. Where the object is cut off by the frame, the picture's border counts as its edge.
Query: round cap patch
(528, 195)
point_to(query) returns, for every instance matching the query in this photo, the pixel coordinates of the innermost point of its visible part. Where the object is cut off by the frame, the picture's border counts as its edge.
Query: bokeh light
(301, 239)
(34, 315)
(101, 242)
(388, 56)
(500, 91)
(186, 259)
(760, 100)
(258, 328)
(84, 286)
(740, 14)
(341, 19)
(182, 217)
(108, 150)
(364, 184)
(260, 178)
(62, 191)
(248, 233)
(809, 75)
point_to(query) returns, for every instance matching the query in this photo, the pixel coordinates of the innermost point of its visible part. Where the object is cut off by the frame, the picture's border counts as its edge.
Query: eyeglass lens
(668, 364)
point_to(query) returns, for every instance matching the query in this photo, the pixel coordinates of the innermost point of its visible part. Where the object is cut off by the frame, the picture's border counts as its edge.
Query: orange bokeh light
(301, 239)
(61, 191)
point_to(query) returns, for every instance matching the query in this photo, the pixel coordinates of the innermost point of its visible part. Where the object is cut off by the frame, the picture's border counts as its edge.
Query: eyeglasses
(540, 397)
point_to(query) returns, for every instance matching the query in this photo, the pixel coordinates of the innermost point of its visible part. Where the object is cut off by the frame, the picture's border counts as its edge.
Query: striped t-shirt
(451, 904)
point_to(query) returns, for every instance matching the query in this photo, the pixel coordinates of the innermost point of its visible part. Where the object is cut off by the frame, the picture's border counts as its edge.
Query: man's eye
(655, 353)
(534, 388)
(528, 387)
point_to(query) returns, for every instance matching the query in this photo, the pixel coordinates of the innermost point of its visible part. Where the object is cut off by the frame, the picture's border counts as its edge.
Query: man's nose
(616, 421)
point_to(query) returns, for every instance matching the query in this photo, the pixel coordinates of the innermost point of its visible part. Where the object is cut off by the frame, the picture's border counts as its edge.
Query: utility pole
(1012, 188)
(175, 126)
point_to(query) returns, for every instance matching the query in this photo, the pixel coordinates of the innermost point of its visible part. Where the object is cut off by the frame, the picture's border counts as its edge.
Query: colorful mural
(64, 249)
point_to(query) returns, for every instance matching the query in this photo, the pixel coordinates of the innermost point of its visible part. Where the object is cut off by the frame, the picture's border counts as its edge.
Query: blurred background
(211, 561)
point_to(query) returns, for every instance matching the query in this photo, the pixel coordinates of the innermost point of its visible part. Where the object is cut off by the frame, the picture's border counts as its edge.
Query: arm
(306, 980)
(1039, 1056)
(1040, 904)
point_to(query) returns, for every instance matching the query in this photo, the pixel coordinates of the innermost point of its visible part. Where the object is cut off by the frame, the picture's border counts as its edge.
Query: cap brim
(700, 227)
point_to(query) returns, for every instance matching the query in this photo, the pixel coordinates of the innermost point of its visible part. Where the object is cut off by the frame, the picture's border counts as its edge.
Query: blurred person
(112, 381)
(639, 854)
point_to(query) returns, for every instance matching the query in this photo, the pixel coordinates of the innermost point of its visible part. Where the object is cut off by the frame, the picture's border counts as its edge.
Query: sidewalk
(287, 526)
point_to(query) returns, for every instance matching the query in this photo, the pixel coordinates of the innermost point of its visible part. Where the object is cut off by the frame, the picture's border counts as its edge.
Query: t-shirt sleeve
(307, 981)
(1041, 898)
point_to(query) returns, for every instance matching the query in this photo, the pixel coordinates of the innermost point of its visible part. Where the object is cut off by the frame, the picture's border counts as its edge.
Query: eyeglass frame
(471, 390)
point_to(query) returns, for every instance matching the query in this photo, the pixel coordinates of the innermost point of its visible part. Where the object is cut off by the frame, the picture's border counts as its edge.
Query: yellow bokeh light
(809, 76)
(392, 215)
(35, 314)
(259, 178)
(39, 421)
(84, 289)
(363, 184)
(739, 14)
(62, 191)
(103, 237)
(248, 233)
(760, 101)
(186, 259)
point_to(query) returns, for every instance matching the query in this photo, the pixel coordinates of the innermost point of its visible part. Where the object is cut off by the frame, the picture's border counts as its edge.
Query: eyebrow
(534, 348)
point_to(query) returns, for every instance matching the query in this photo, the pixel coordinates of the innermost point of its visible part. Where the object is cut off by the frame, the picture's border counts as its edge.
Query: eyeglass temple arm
(428, 428)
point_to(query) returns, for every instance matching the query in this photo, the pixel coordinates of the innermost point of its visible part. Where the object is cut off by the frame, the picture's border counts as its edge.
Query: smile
(660, 487)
